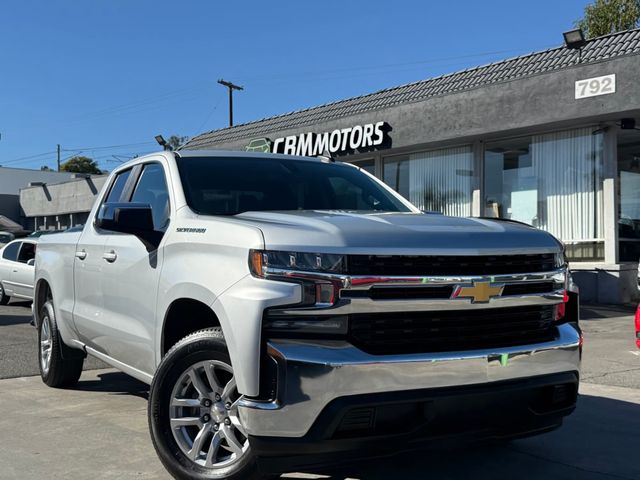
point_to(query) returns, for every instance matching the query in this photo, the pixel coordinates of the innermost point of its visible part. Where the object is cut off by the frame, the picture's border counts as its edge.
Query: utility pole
(231, 88)
(58, 157)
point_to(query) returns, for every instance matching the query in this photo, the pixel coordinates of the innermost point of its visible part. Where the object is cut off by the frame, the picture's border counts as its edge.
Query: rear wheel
(60, 365)
(4, 298)
(193, 413)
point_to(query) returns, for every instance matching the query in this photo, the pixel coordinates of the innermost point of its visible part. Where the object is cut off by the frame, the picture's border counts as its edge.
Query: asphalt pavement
(98, 430)
(19, 343)
(610, 353)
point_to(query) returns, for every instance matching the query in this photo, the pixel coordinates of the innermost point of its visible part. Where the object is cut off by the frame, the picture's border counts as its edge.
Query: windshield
(232, 185)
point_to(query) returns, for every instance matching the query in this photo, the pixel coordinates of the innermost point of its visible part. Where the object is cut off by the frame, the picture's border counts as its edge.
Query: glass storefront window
(438, 180)
(553, 182)
(629, 205)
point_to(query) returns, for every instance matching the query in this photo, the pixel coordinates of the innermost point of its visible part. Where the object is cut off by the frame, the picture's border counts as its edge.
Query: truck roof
(243, 154)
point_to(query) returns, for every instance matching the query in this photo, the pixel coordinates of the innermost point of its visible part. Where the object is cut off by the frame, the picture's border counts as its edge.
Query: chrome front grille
(420, 292)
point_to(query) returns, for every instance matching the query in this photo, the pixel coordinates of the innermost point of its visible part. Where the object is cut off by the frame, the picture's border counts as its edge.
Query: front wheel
(193, 413)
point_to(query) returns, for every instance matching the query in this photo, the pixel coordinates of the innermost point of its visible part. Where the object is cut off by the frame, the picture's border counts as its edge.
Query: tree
(80, 164)
(603, 17)
(176, 141)
(44, 168)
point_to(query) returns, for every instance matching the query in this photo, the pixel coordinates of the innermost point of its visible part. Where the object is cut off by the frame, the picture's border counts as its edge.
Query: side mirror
(130, 218)
(31, 262)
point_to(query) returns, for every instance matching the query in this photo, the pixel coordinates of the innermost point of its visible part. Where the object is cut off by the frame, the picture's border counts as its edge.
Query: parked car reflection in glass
(5, 237)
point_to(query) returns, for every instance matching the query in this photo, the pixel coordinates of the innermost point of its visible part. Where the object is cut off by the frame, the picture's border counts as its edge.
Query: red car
(638, 326)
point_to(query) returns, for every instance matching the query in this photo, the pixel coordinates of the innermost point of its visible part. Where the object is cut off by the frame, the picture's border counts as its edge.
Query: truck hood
(395, 233)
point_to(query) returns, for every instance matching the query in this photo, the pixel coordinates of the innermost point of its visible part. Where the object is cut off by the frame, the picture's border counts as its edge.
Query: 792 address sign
(592, 87)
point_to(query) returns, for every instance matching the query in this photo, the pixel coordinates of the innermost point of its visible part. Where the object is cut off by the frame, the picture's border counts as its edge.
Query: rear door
(89, 266)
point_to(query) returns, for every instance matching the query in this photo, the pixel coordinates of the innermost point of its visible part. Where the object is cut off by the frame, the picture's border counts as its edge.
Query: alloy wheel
(204, 415)
(46, 344)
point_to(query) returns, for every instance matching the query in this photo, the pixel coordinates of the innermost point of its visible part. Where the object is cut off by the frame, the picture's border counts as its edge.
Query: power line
(210, 113)
(127, 155)
(382, 66)
(138, 106)
(138, 103)
(15, 160)
(108, 147)
(358, 75)
(52, 157)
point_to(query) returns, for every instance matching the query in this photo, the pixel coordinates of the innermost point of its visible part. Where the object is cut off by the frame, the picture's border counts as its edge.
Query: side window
(11, 251)
(152, 190)
(27, 252)
(118, 186)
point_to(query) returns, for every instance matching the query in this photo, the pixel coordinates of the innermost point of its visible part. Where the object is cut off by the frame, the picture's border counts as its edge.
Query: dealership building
(551, 139)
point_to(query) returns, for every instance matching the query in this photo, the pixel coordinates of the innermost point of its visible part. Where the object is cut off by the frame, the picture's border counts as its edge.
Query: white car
(16, 270)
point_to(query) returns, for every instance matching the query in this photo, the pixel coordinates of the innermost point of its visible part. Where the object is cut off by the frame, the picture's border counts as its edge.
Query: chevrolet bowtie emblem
(478, 292)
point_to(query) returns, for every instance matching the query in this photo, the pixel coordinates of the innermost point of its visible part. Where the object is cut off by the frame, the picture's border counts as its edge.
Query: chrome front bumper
(313, 373)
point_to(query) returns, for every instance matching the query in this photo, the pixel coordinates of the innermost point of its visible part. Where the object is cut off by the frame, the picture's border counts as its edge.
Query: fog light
(327, 324)
(560, 394)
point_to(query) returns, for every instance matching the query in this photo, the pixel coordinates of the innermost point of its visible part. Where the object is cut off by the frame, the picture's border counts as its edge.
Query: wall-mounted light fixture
(162, 142)
(574, 39)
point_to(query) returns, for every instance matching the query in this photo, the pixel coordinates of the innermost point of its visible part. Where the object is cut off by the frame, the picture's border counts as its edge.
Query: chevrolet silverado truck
(291, 312)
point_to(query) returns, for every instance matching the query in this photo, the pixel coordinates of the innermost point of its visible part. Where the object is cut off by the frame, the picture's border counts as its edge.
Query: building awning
(8, 225)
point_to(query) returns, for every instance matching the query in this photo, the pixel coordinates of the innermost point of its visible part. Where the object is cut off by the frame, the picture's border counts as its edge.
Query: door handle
(81, 254)
(110, 256)
(15, 271)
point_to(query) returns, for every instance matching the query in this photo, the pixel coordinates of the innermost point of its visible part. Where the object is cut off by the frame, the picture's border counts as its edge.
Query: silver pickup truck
(292, 311)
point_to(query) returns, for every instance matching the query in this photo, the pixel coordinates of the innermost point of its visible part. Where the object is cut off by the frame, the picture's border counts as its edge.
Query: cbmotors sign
(359, 137)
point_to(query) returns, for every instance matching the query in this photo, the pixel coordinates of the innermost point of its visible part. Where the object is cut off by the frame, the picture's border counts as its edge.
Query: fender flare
(67, 332)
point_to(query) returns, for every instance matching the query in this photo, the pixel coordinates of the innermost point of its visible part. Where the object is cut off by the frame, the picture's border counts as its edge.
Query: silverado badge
(478, 292)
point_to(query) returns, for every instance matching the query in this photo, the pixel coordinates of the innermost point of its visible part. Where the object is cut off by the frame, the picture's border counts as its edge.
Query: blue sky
(92, 75)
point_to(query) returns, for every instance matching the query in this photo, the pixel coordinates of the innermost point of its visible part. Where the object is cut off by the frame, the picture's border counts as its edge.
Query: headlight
(261, 260)
(312, 270)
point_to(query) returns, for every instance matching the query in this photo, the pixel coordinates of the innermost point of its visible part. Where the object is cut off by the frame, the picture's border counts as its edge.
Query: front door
(131, 278)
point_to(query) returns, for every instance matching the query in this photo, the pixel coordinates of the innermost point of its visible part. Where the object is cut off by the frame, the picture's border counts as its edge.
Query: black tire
(65, 364)
(202, 346)
(4, 298)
